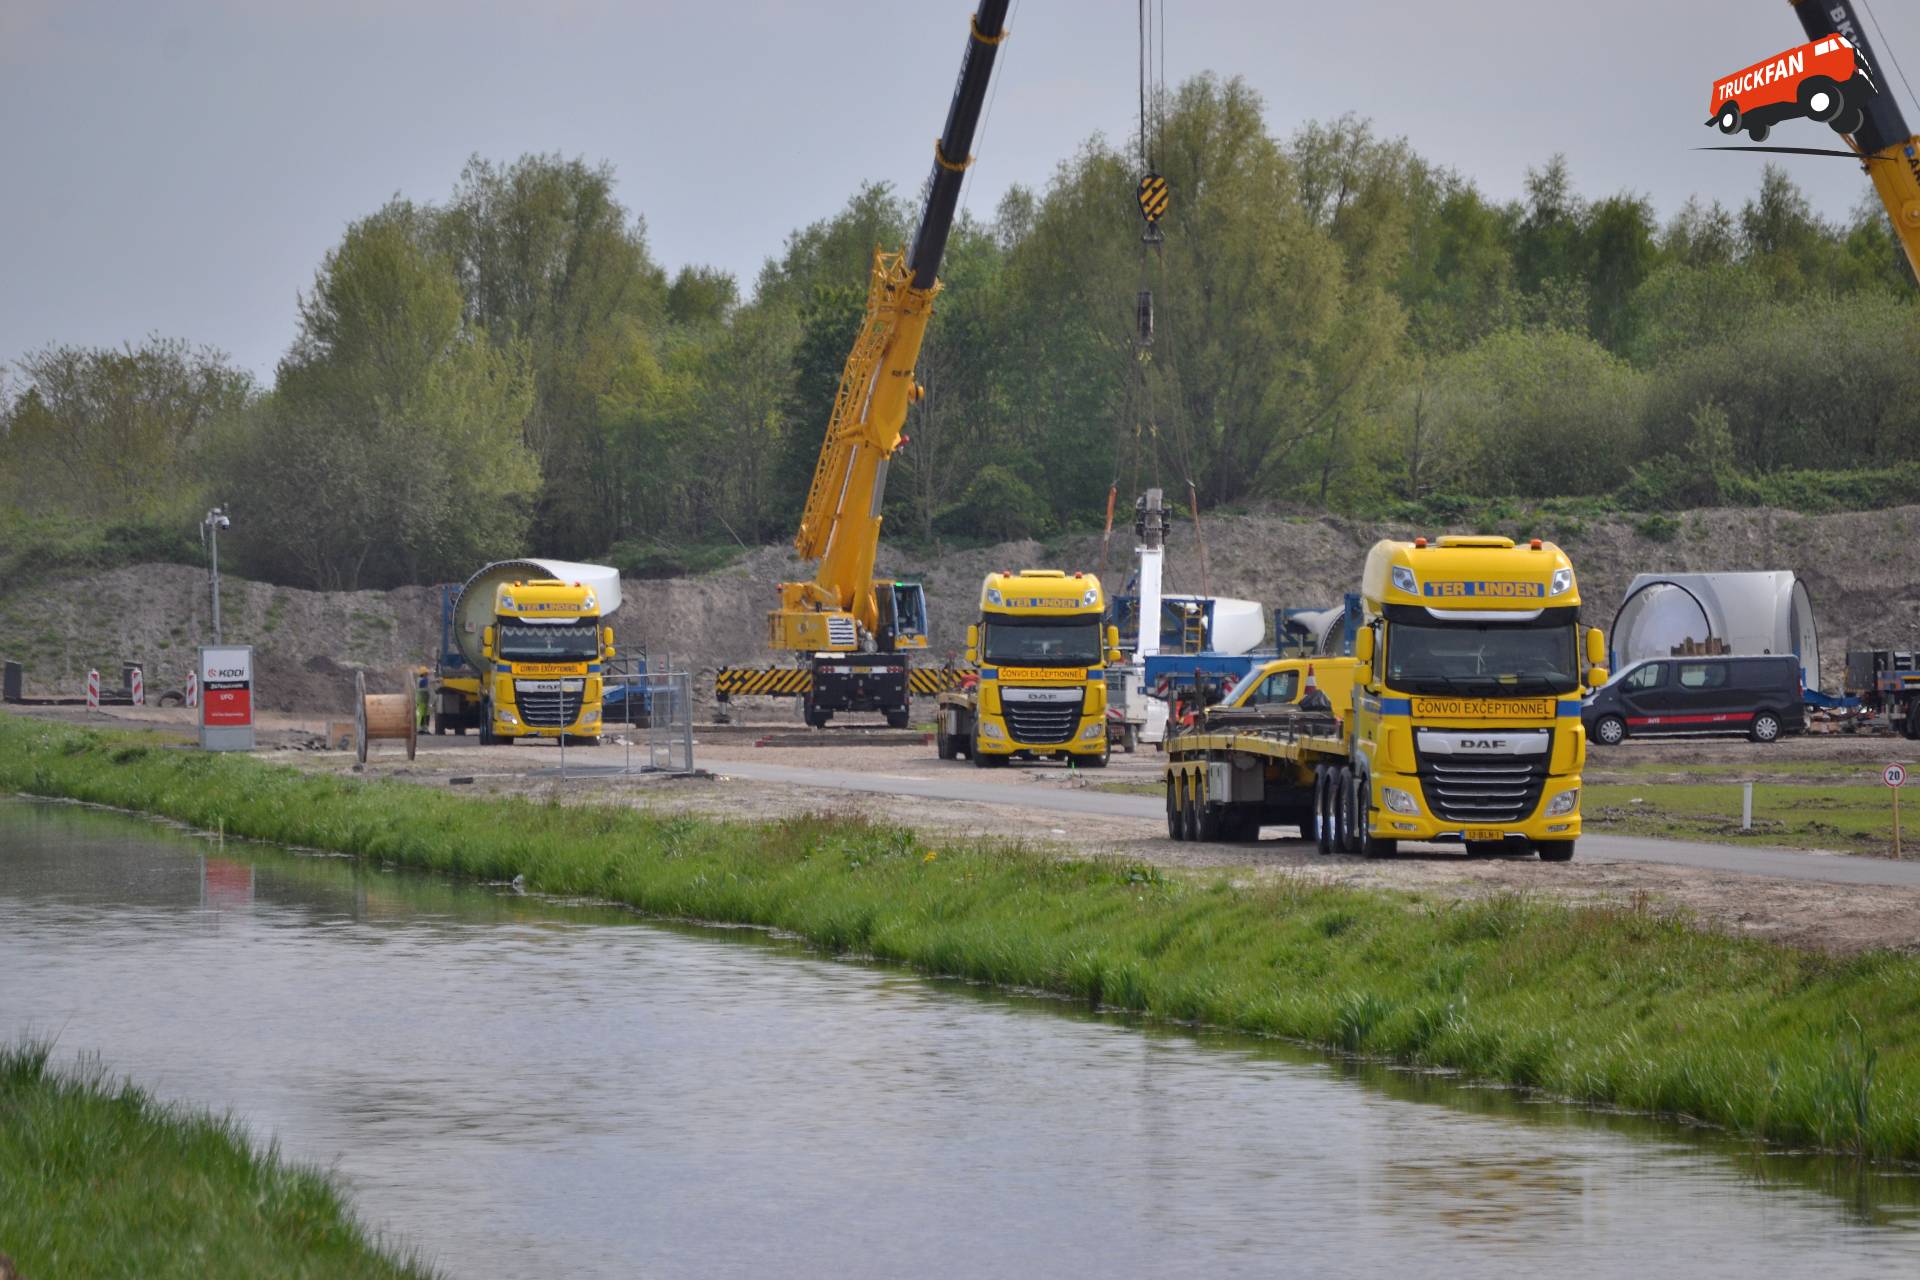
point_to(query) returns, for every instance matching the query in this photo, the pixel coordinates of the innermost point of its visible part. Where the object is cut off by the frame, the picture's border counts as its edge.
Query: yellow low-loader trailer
(1040, 653)
(1463, 725)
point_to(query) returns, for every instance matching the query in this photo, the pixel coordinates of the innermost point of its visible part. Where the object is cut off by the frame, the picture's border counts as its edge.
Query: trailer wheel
(1189, 813)
(1176, 830)
(1129, 739)
(1337, 806)
(1356, 816)
(898, 718)
(942, 745)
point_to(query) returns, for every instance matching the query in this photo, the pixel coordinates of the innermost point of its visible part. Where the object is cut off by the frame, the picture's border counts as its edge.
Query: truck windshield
(1041, 642)
(1485, 659)
(523, 643)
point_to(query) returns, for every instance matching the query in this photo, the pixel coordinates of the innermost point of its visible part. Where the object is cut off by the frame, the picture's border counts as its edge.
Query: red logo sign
(226, 704)
(1825, 80)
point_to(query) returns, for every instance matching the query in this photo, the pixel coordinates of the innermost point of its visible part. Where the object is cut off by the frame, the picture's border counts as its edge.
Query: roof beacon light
(1534, 543)
(1419, 542)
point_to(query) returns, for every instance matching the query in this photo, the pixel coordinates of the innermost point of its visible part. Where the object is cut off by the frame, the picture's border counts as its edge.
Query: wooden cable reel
(382, 717)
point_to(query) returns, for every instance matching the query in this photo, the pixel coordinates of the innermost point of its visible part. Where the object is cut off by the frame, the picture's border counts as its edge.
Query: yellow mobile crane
(851, 630)
(1889, 151)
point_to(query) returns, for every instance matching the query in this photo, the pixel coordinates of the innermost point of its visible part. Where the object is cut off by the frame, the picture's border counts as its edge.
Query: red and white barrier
(193, 688)
(137, 687)
(93, 690)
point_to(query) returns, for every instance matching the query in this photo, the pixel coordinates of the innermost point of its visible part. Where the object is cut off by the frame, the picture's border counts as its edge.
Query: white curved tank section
(1754, 613)
(1238, 625)
(474, 609)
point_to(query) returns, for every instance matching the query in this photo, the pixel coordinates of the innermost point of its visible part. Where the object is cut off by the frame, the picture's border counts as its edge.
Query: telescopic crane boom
(1887, 147)
(843, 611)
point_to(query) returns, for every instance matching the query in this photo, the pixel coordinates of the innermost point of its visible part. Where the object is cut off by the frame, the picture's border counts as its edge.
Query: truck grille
(1493, 789)
(1041, 724)
(547, 710)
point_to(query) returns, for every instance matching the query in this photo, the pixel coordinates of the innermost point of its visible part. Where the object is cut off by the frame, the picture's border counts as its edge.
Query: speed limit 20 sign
(1895, 775)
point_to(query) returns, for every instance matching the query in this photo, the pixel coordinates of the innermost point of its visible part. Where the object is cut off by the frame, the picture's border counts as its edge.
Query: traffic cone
(1312, 686)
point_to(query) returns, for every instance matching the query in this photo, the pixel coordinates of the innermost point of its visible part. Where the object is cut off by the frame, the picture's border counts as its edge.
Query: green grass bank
(1617, 1006)
(96, 1178)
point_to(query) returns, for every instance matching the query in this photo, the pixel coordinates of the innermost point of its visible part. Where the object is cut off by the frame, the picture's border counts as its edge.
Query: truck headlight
(507, 717)
(988, 729)
(1093, 731)
(1562, 582)
(1403, 580)
(1564, 803)
(590, 717)
(1398, 801)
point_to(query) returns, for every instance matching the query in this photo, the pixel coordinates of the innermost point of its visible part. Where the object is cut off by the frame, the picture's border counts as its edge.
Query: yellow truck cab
(1287, 681)
(543, 655)
(1466, 714)
(1041, 652)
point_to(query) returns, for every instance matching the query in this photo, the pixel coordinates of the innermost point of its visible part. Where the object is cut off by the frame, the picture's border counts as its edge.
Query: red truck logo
(1825, 80)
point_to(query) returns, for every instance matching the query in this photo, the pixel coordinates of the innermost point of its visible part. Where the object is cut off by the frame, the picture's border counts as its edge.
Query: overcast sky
(180, 166)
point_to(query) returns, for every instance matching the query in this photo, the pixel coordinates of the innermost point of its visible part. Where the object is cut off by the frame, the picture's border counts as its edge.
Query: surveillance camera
(222, 522)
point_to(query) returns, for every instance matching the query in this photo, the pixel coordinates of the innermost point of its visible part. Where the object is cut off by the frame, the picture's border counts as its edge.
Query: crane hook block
(1153, 198)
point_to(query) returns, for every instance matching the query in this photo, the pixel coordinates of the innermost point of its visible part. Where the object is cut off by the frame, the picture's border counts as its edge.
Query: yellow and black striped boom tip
(1153, 198)
(797, 682)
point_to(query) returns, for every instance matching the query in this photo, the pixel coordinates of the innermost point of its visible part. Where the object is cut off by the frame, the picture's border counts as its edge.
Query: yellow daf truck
(522, 651)
(1041, 653)
(1462, 727)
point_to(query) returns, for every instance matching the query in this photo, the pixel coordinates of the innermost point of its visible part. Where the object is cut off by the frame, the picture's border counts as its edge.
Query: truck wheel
(1321, 832)
(1357, 825)
(1129, 739)
(1554, 850)
(1095, 762)
(1820, 99)
(942, 744)
(1759, 132)
(1176, 830)
(1729, 120)
(1849, 120)
(1378, 848)
(1912, 729)
(486, 724)
(981, 760)
(1766, 727)
(897, 718)
(1190, 814)
(1610, 731)
(1337, 806)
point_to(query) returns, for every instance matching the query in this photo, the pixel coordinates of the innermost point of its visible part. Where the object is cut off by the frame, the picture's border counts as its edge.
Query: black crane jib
(950, 161)
(1885, 126)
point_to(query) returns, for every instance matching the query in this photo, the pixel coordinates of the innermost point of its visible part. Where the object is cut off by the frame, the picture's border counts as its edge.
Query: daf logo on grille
(1483, 744)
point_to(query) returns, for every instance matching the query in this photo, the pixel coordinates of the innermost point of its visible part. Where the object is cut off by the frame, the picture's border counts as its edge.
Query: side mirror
(1597, 676)
(1363, 646)
(1113, 646)
(973, 643)
(606, 638)
(486, 642)
(1596, 649)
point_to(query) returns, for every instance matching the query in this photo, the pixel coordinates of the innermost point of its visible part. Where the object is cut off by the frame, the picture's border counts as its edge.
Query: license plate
(1488, 834)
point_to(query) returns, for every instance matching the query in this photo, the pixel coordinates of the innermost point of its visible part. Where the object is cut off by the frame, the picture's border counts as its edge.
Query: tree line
(1337, 323)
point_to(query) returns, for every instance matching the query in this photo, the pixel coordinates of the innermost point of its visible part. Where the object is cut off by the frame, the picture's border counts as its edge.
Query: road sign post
(1895, 776)
(93, 690)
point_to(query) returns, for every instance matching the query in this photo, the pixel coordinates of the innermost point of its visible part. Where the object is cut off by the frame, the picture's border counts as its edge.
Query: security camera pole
(210, 528)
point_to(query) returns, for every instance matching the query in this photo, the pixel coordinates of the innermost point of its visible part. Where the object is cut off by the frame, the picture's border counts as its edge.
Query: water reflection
(523, 1088)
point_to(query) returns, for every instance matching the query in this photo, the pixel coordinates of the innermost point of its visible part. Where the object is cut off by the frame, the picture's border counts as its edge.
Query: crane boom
(840, 611)
(1886, 145)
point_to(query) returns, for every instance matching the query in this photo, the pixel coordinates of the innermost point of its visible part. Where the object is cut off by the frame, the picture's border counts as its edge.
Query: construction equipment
(1462, 726)
(1042, 654)
(522, 648)
(1879, 135)
(851, 631)
(1886, 683)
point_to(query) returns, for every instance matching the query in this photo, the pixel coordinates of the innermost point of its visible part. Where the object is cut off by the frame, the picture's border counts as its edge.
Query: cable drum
(382, 717)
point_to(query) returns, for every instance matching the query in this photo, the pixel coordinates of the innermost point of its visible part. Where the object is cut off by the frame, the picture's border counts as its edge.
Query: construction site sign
(226, 697)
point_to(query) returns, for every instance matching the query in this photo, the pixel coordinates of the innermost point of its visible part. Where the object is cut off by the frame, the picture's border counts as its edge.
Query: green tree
(113, 435)
(391, 448)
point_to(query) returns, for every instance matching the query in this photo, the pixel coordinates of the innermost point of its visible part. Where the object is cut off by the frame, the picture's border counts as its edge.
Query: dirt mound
(1865, 588)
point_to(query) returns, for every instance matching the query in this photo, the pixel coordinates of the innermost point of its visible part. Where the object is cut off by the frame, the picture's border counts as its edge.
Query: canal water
(522, 1088)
